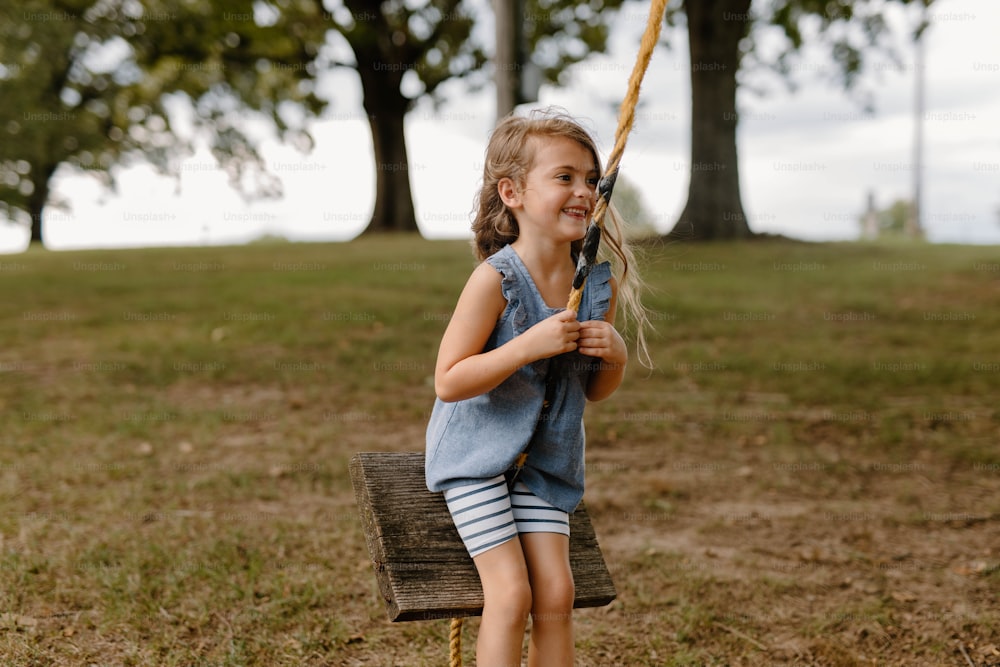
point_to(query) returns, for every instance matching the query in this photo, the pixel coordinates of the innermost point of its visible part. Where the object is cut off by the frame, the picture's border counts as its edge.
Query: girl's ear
(508, 192)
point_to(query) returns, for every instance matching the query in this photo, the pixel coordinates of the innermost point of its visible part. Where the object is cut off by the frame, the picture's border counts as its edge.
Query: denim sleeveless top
(480, 437)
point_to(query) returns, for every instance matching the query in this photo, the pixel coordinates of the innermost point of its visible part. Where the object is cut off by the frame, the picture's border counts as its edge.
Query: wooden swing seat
(422, 567)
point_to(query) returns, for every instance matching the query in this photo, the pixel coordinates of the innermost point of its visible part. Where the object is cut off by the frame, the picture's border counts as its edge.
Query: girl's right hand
(554, 335)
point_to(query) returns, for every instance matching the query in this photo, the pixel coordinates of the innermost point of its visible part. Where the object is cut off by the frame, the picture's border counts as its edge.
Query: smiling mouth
(576, 212)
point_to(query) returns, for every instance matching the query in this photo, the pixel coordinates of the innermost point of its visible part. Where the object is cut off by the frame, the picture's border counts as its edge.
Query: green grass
(175, 426)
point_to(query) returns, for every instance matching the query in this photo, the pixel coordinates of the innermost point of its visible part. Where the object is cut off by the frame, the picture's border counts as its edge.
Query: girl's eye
(563, 177)
(593, 181)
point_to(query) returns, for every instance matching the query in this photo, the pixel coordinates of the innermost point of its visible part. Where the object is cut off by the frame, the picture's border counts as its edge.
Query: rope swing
(588, 256)
(626, 118)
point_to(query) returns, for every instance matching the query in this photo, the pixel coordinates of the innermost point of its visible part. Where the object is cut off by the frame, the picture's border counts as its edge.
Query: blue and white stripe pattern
(487, 514)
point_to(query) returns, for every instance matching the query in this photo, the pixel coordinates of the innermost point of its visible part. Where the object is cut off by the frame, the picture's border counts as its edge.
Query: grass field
(810, 475)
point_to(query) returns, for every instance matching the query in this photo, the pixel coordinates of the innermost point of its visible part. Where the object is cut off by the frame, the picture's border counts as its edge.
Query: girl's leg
(482, 514)
(547, 556)
(507, 602)
(544, 532)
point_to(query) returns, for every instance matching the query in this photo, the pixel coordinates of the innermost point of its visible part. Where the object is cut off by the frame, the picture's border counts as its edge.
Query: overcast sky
(807, 159)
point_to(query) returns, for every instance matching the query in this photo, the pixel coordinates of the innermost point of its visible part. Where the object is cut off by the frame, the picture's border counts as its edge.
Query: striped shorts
(487, 514)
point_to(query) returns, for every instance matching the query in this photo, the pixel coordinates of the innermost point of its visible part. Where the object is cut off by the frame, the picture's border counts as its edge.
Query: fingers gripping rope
(626, 118)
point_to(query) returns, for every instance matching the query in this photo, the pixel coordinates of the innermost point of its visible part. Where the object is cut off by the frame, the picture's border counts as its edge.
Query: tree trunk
(714, 209)
(386, 108)
(36, 225)
(37, 200)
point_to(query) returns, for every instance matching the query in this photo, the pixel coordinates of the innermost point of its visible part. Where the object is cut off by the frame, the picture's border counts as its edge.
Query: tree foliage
(425, 44)
(89, 85)
(851, 31)
(893, 220)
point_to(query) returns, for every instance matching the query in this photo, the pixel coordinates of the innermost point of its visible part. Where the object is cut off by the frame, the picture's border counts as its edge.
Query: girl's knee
(554, 596)
(512, 601)
(506, 586)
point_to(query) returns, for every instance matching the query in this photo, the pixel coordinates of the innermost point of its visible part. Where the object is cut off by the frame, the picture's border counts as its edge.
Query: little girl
(509, 347)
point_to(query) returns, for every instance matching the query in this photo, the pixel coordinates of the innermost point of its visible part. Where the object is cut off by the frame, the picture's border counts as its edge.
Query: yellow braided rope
(626, 118)
(455, 642)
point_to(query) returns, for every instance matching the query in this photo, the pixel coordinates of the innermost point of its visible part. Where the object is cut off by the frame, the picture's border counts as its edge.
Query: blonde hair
(510, 154)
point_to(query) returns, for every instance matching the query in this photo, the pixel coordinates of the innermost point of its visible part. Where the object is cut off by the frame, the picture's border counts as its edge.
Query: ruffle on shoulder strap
(598, 288)
(511, 284)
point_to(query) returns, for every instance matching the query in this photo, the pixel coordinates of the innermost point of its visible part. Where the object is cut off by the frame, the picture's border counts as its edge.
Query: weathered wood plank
(421, 565)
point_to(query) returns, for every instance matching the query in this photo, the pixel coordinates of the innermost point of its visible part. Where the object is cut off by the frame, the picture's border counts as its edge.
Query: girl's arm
(463, 370)
(600, 339)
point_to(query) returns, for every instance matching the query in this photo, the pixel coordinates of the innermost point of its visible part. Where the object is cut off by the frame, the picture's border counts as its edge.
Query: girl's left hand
(600, 339)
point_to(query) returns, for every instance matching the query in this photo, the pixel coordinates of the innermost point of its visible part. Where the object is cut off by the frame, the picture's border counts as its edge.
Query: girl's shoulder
(484, 278)
(479, 306)
(505, 269)
(501, 259)
(484, 290)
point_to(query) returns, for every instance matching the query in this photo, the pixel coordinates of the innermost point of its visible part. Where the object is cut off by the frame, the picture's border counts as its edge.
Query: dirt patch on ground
(820, 562)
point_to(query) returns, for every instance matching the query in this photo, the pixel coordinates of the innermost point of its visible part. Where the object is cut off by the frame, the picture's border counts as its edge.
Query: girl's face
(558, 193)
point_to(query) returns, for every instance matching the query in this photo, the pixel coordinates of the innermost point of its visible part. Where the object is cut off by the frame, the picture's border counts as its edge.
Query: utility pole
(509, 37)
(914, 223)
